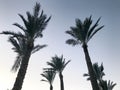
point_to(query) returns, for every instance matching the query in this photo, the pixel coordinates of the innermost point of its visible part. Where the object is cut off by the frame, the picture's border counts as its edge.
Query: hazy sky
(104, 47)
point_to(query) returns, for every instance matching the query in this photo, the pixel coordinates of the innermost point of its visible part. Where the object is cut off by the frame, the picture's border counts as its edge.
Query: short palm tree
(58, 64)
(98, 72)
(103, 84)
(23, 42)
(82, 33)
(49, 76)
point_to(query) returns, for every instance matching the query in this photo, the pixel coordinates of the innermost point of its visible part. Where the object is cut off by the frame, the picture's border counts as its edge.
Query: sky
(103, 48)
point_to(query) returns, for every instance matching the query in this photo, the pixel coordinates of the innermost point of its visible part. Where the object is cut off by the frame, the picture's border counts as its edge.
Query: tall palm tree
(82, 33)
(23, 42)
(49, 76)
(58, 64)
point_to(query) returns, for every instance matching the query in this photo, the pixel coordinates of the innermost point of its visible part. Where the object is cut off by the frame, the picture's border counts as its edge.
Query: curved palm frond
(14, 34)
(37, 48)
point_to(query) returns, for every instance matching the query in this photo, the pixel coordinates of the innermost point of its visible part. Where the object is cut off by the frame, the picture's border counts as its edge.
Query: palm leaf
(72, 42)
(17, 63)
(36, 9)
(19, 26)
(24, 20)
(95, 31)
(37, 48)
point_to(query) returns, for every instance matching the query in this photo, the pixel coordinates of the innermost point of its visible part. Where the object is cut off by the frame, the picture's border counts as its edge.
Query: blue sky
(104, 46)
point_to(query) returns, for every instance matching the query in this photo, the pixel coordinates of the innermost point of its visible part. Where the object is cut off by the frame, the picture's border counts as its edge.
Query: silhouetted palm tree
(58, 64)
(23, 42)
(49, 76)
(103, 84)
(98, 72)
(82, 33)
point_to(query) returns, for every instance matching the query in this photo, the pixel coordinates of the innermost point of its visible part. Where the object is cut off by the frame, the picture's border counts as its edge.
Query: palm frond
(36, 9)
(111, 85)
(95, 31)
(44, 80)
(86, 75)
(21, 27)
(73, 42)
(14, 43)
(71, 33)
(14, 34)
(79, 24)
(52, 65)
(24, 20)
(93, 27)
(65, 64)
(37, 48)
(17, 63)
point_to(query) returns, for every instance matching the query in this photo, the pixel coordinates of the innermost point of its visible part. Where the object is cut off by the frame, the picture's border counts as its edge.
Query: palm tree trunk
(61, 81)
(90, 69)
(51, 87)
(21, 73)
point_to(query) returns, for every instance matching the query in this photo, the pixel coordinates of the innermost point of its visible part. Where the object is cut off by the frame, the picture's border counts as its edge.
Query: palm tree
(49, 76)
(98, 72)
(82, 33)
(23, 42)
(103, 84)
(58, 64)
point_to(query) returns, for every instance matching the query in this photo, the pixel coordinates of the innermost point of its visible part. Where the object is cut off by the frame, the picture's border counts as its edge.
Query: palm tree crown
(83, 31)
(32, 29)
(49, 76)
(35, 24)
(58, 63)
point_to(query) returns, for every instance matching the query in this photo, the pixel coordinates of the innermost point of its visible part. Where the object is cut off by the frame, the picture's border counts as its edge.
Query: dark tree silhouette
(23, 42)
(103, 84)
(98, 72)
(58, 64)
(82, 33)
(49, 76)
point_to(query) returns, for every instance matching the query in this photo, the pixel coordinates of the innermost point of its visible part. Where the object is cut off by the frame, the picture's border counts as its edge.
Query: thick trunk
(21, 73)
(93, 78)
(61, 81)
(51, 87)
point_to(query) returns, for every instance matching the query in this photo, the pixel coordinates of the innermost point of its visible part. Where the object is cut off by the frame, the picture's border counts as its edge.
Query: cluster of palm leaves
(57, 65)
(99, 72)
(24, 45)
